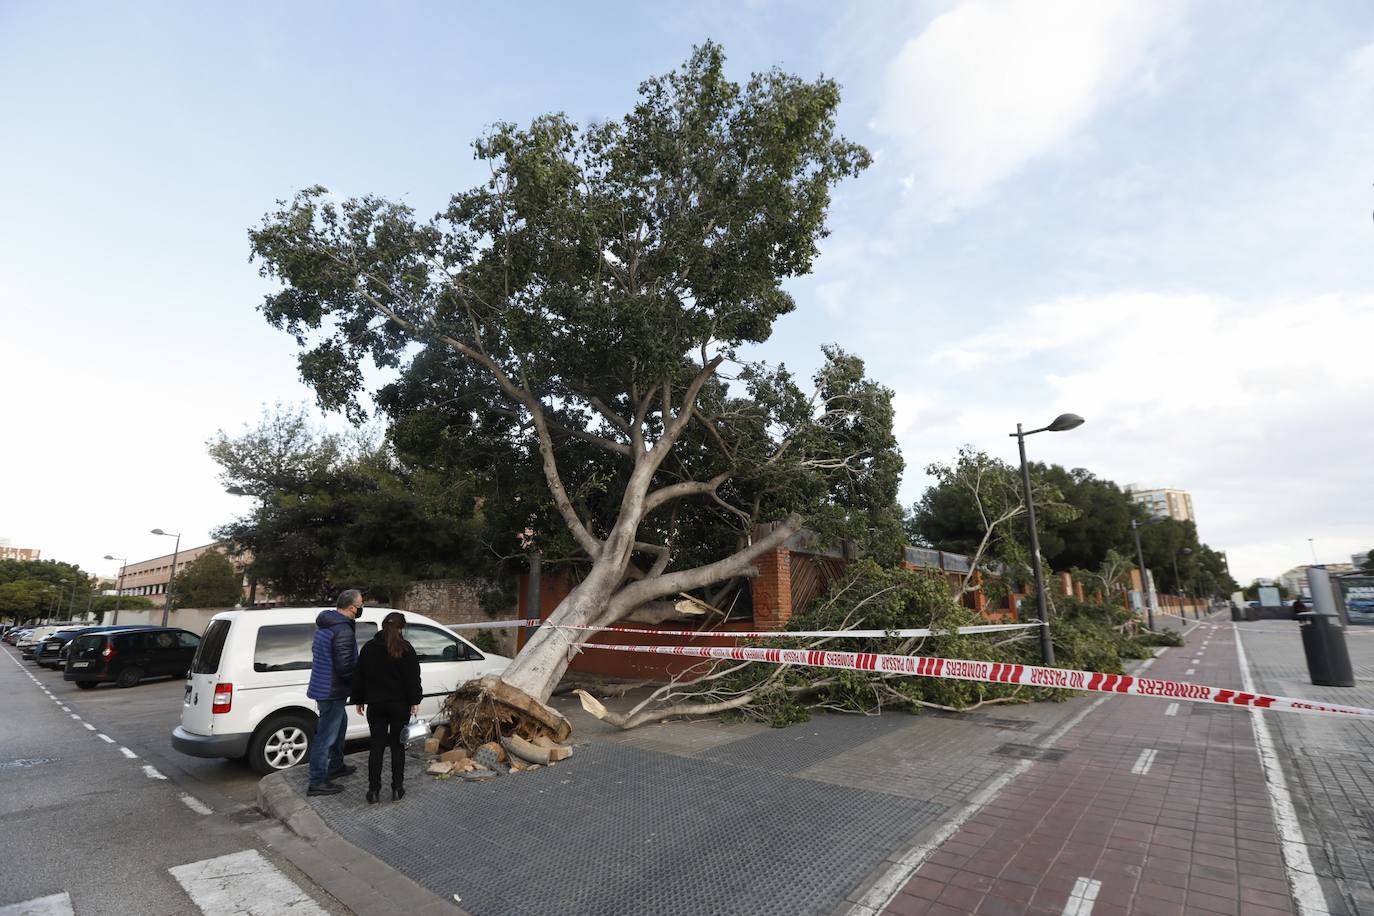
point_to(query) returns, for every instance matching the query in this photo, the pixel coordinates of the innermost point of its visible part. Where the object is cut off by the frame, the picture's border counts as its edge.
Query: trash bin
(1235, 614)
(1323, 641)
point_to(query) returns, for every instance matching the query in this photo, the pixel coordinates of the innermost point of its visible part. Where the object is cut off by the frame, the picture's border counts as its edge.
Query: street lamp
(1178, 583)
(1140, 561)
(1061, 423)
(119, 588)
(171, 581)
(71, 605)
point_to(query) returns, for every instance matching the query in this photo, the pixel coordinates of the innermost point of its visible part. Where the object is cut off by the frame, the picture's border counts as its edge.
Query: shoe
(398, 793)
(325, 788)
(347, 769)
(372, 795)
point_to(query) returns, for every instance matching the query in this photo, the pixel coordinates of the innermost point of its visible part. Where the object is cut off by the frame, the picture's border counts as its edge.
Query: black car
(49, 654)
(129, 656)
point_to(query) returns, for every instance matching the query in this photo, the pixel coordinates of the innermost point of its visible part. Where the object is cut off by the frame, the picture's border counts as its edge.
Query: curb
(359, 880)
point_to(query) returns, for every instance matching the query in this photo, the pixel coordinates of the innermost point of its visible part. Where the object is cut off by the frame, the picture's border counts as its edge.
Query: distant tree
(26, 599)
(1369, 562)
(210, 580)
(336, 512)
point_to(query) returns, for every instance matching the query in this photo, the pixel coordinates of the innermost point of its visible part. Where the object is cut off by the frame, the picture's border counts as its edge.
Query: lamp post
(71, 605)
(1061, 423)
(119, 587)
(171, 581)
(1140, 561)
(1178, 583)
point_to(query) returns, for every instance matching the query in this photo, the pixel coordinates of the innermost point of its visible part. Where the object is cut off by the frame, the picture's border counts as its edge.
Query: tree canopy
(210, 580)
(571, 330)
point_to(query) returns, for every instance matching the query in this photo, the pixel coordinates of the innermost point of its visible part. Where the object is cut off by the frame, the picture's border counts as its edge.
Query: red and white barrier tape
(997, 673)
(764, 634)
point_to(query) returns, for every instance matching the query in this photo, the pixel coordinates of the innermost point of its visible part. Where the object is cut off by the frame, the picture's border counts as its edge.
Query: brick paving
(1146, 812)
(1328, 762)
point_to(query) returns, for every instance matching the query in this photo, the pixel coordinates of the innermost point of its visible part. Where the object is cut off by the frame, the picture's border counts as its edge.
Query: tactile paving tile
(797, 747)
(623, 831)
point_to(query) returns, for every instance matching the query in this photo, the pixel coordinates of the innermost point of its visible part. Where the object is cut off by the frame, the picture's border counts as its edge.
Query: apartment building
(1164, 502)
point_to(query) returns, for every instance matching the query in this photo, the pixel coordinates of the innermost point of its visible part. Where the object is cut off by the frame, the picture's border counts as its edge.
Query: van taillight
(107, 653)
(224, 698)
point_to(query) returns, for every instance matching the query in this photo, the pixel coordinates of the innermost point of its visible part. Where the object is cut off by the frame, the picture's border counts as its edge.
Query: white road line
(243, 882)
(882, 891)
(89, 726)
(127, 753)
(1171, 709)
(65, 708)
(1307, 888)
(151, 772)
(55, 905)
(1144, 762)
(1082, 897)
(76, 717)
(195, 804)
(106, 738)
(1190, 671)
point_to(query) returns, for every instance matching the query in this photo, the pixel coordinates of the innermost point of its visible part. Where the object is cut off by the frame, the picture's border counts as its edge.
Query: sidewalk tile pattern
(1192, 833)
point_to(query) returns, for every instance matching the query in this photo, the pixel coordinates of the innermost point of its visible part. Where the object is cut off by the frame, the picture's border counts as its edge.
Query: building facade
(149, 578)
(1164, 502)
(9, 552)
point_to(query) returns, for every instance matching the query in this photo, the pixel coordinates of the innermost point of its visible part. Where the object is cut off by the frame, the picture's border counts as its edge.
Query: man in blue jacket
(333, 656)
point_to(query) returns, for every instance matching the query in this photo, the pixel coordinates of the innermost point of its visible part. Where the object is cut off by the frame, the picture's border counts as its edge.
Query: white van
(245, 695)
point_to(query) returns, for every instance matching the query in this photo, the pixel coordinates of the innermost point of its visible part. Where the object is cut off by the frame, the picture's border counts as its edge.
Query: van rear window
(211, 648)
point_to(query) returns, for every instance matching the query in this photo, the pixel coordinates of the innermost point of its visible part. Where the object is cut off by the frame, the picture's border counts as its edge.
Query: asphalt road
(96, 805)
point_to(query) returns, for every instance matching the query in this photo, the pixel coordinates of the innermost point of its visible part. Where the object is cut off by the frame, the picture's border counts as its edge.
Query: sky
(1152, 213)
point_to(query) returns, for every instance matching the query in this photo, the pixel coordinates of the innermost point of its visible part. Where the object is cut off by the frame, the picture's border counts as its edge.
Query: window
(433, 645)
(286, 647)
(211, 647)
(188, 640)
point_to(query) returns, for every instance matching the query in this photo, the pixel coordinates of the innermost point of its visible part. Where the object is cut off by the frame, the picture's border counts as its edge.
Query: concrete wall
(457, 601)
(187, 618)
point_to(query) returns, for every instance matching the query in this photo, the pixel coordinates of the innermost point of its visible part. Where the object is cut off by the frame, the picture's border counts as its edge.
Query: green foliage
(1163, 637)
(209, 581)
(333, 513)
(548, 327)
(1086, 636)
(25, 599)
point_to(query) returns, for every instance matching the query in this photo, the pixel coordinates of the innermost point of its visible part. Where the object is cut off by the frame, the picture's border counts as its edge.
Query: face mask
(360, 614)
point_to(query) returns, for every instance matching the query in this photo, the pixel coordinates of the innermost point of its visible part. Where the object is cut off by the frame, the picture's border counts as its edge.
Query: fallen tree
(570, 329)
(1086, 636)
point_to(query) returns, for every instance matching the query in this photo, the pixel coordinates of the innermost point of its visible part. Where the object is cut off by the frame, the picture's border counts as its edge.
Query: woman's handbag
(417, 730)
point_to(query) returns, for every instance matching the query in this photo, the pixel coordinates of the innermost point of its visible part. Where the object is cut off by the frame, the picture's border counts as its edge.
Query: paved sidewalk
(695, 817)
(1153, 808)
(1328, 762)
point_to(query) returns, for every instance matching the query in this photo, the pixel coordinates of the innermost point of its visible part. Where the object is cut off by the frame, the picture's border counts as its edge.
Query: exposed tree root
(488, 709)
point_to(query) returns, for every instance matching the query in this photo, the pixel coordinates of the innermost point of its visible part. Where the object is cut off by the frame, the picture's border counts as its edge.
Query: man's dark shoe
(325, 788)
(347, 769)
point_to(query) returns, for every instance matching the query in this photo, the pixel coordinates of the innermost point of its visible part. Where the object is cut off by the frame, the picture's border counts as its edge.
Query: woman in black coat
(386, 684)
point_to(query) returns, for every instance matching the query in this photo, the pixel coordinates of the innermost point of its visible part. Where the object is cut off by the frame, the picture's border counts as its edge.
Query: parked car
(13, 634)
(129, 657)
(52, 652)
(50, 644)
(245, 696)
(32, 638)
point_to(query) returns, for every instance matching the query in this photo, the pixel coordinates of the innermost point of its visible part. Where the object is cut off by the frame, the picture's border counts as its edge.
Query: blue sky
(1154, 213)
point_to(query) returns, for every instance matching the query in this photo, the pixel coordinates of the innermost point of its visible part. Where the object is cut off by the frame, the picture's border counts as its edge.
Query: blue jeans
(327, 750)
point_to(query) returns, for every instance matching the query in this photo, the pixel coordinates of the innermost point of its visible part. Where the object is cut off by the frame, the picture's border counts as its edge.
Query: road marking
(127, 753)
(106, 738)
(1171, 709)
(1307, 888)
(76, 717)
(55, 905)
(243, 882)
(195, 804)
(1143, 764)
(1190, 671)
(89, 726)
(881, 893)
(65, 708)
(151, 772)
(1082, 897)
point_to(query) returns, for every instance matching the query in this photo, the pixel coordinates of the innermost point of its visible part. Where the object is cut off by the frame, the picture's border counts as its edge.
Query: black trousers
(387, 722)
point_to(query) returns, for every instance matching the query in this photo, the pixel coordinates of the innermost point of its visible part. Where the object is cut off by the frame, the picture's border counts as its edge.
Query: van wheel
(87, 685)
(281, 742)
(129, 677)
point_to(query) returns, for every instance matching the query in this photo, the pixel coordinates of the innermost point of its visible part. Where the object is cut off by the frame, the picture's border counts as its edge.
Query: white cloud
(992, 84)
(1258, 408)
